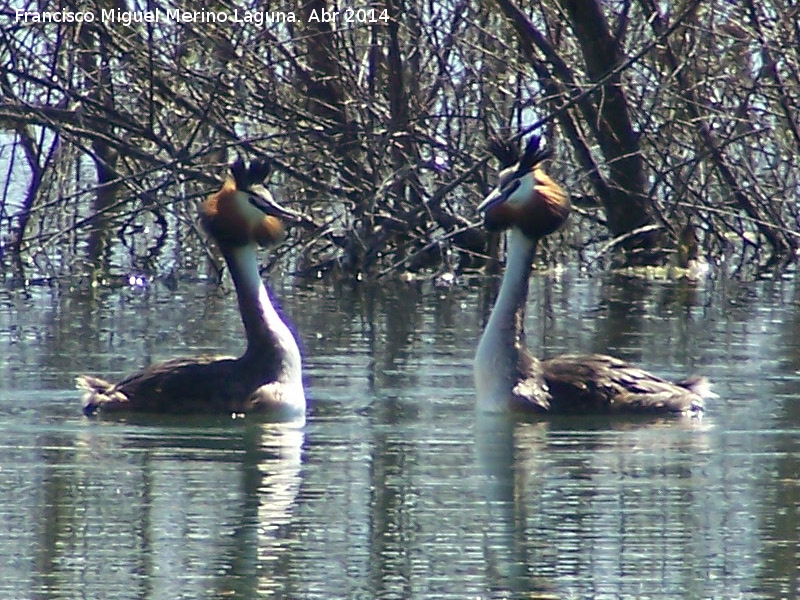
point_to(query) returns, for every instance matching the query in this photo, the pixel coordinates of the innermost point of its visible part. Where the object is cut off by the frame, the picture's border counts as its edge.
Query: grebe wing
(603, 383)
(531, 391)
(180, 385)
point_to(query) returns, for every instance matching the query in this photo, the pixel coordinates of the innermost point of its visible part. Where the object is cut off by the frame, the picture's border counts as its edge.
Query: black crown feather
(533, 155)
(246, 176)
(508, 154)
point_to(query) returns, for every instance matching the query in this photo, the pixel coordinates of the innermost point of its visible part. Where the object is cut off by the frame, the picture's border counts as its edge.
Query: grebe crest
(525, 196)
(243, 211)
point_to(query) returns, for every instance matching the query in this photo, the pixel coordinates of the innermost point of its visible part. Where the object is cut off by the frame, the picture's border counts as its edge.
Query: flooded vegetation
(378, 129)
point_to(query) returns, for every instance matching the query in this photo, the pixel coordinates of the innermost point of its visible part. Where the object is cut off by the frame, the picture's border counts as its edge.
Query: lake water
(394, 488)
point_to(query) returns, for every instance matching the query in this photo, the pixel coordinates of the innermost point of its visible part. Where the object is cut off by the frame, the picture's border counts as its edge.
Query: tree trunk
(606, 113)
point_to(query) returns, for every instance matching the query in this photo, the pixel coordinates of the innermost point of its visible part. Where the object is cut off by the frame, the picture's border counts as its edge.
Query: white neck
(498, 351)
(266, 332)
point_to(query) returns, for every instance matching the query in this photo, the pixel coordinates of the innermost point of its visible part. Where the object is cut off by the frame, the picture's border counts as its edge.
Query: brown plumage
(597, 384)
(181, 386)
(267, 377)
(528, 203)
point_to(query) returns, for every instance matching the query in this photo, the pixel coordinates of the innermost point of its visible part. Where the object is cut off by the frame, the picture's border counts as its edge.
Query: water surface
(394, 489)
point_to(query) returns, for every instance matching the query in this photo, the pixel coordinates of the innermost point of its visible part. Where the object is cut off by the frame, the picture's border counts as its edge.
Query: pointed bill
(260, 197)
(498, 195)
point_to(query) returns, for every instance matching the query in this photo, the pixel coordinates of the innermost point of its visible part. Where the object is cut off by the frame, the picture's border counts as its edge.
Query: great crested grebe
(267, 377)
(528, 203)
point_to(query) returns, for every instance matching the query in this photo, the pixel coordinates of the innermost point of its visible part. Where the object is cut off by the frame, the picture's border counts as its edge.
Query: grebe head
(243, 211)
(526, 197)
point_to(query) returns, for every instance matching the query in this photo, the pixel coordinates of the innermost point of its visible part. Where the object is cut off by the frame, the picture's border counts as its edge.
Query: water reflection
(394, 488)
(596, 508)
(166, 511)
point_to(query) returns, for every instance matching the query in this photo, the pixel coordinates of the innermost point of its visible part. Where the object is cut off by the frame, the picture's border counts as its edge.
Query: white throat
(269, 328)
(496, 359)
